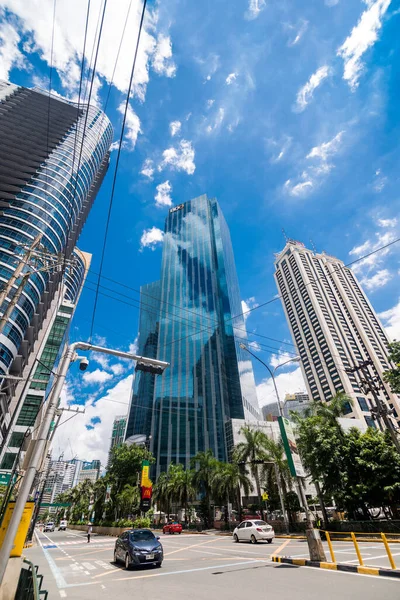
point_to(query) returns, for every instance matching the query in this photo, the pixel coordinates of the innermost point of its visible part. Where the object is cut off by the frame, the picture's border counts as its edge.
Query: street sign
(56, 504)
(265, 496)
(5, 478)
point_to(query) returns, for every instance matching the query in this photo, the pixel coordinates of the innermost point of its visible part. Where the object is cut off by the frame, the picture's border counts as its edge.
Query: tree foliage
(392, 376)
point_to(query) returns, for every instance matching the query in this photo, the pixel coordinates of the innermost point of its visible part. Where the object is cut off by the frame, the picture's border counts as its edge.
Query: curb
(302, 562)
(291, 537)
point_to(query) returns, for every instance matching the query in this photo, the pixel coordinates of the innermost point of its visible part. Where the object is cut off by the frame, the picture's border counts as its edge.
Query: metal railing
(351, 536)
(30, 584)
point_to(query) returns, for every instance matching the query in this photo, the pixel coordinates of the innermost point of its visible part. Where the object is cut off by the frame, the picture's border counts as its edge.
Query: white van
(63, 525)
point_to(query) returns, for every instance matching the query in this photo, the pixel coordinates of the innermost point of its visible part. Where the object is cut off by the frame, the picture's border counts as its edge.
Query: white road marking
(86, 572)
(89, 566)
(63, 593)
(205, 552)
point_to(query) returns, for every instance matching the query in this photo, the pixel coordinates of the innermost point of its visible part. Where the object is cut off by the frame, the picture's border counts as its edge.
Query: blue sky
(287, 112)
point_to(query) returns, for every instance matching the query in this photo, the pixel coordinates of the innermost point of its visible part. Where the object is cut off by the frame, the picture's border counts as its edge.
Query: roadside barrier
(366, 537)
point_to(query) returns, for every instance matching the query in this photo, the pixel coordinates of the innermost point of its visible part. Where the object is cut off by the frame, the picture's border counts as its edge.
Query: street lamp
(272, 372)
(41, 442)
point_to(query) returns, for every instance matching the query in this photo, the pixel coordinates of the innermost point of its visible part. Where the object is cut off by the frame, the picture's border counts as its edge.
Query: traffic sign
(265, 496)
(5, 477)
(56, 504)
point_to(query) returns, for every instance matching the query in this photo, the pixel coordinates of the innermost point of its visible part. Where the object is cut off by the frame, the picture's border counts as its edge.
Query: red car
(172, 528)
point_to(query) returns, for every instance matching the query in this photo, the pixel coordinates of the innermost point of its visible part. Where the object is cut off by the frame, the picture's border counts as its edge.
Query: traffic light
(147, 368)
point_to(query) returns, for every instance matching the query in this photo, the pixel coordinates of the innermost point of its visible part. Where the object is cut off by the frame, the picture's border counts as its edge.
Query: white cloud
(134, 346)
(254, 346)
(219, 117)
(254, 9)
(151, 238)
(280, 358)
(10, 54)
(305, 94)
(163, 63)
(298, 189)
(114, 146)
(231, 78)
(380, 181)
(280, 148)
(331, 2)
(387, 222)
(391, 321)
(210, 102)
(148, 168)
(117, 369)
(320, 167)
(132, 125)
(68, 41)
(363, 36)
(180, 158)
(300, 29)
(325, 150)
(365, 266)
(93, 443)
(287, 383)
(163, 197)
(97, 376)
(101, 359)
(175, 127)
(378, 280)
(248, 305)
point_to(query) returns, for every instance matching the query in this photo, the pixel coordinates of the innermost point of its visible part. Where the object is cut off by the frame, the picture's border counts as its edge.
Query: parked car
(63, 525)
(253, 531)
(138, 547)
(49, 526)
(172, 528)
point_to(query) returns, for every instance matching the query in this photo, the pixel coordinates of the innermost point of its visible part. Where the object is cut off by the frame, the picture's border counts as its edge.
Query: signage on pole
(23, 527)
(290, 445)
(5, 477)
(265, 496)
(146, 487)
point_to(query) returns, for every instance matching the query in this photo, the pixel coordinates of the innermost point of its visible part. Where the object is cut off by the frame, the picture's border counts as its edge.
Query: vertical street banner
(290, 445)
(146, 487)
(23, 527)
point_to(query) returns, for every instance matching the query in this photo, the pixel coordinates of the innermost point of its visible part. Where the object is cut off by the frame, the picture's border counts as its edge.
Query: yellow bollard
(360, 560)
(389, 552)
(328, 539)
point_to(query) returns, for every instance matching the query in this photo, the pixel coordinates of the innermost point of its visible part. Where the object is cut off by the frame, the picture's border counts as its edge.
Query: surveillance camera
(83, 365)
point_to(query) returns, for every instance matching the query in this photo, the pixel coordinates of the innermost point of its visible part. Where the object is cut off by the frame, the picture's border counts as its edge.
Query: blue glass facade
(208, 382)
(53, 157)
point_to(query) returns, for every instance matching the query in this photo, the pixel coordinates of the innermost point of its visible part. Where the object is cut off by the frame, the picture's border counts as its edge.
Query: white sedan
(253, 531)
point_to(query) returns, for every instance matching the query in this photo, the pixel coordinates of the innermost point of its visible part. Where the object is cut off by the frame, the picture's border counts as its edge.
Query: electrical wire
(117, 163)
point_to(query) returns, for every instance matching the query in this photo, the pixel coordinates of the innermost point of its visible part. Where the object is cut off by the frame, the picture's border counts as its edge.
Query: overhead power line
(117, 164)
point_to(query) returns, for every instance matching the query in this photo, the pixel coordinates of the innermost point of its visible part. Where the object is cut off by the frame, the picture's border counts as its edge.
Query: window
(141, 536)
(242, 525)
(347, 409)
(370, 422)
(363, 404)
(249, 524)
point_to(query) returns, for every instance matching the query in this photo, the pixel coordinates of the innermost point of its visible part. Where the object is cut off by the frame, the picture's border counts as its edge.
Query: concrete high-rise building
(53, 157)
(90, 470)
(334, 328)
(192, 319)
(297, 402)
(117, 434)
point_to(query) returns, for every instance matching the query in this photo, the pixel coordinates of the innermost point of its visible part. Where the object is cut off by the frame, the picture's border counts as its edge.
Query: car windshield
(260, 523)
(141, 536)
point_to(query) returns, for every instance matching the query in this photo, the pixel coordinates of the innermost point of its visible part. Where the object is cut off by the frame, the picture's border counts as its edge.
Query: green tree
(227, 482)
(183, 488)
(128, 501)
(252, 449)
(276, 474)
(392, 376)
(205, 464)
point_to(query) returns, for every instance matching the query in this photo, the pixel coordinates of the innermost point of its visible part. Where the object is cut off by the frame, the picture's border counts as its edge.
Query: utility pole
(381, 409)
(142, 363)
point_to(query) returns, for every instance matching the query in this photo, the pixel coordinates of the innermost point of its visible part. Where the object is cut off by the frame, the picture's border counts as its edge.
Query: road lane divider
(361, 569)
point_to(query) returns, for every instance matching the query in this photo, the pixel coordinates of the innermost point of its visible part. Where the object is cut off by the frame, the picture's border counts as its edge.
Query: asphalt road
(198, 567)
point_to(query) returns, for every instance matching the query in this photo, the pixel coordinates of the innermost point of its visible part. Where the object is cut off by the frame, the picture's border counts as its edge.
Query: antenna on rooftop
(313, 246)
(285, 236)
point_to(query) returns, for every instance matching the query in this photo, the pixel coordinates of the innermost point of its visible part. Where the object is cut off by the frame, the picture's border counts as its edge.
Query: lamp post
(313, 537)
(142, 363)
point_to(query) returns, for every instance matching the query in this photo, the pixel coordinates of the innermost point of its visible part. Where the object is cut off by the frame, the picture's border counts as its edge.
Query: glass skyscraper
(192, 319)
(53, 157)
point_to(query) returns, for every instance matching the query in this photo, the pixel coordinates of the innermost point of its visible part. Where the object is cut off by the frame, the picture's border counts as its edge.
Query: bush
(123, 523)
(141, 523)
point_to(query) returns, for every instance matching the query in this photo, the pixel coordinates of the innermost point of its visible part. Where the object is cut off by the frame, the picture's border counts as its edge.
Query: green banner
(5, 478)
(290, 445)
(56, 504)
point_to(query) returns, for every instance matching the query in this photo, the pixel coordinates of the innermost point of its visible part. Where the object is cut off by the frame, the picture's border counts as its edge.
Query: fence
(30, 584)
(365, 537)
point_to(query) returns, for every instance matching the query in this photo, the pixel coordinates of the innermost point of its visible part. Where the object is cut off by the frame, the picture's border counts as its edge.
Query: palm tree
(228, 481)
(205, 464)
(128, 500)
(253, 449)
(277, 472)
(161, 491)
(184, 490)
